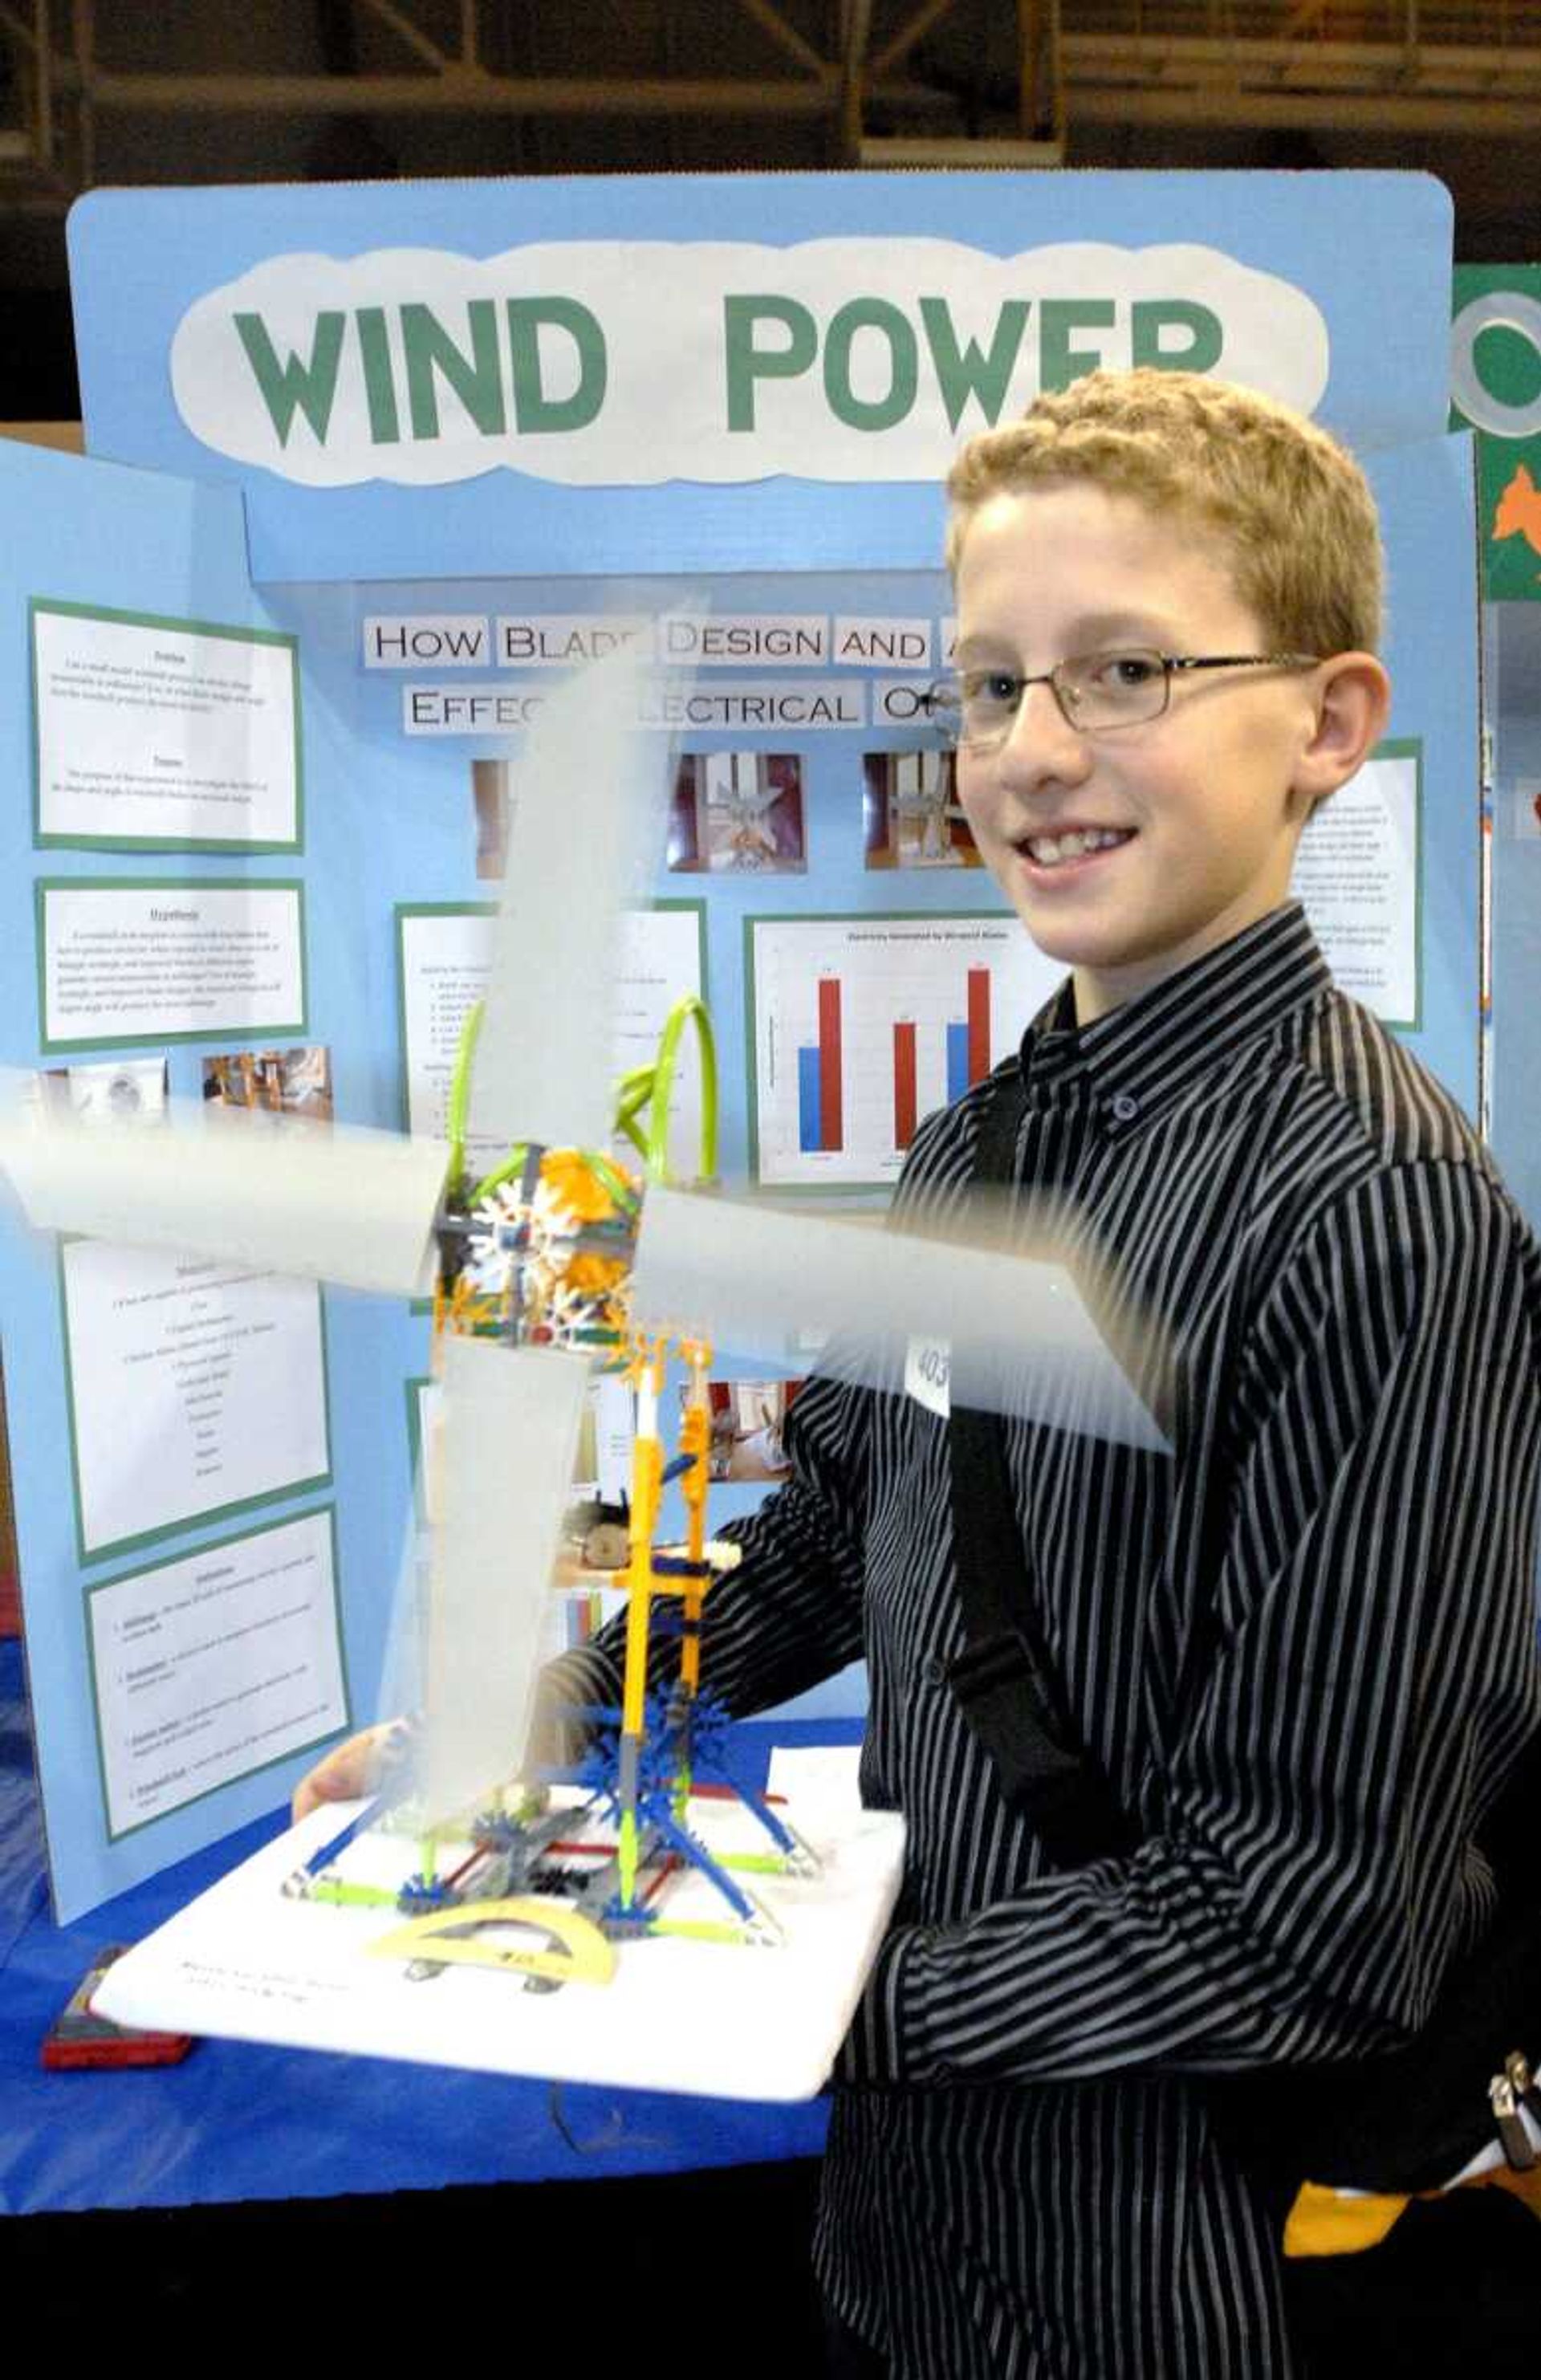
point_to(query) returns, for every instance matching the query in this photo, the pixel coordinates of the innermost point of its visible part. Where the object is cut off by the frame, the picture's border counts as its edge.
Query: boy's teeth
(1050, 849)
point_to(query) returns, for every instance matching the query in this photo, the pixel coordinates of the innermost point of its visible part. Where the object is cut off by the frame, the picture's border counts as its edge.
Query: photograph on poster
(748, 1421)
(194, 1387)
(107, 1093)
(132, 960)
(738, 812)
(280, 1082)
(215, 1666)
(910, 812)
(489, 804)
(161, 733)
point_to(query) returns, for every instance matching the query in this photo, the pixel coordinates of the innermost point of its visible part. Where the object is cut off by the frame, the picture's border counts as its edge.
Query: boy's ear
(1353, 701)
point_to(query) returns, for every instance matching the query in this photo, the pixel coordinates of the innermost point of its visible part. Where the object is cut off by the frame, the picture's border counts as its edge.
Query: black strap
(1004, 1679)
(1405, 2121)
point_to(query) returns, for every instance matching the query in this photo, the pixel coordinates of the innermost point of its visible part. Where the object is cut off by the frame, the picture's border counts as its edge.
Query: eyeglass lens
(1109, 689)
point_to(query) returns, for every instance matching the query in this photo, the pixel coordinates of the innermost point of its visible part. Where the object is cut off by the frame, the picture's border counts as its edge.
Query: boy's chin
(1118, 965)
(1061, 939)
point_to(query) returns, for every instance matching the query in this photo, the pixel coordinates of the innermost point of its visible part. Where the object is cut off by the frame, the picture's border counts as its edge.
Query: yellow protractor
(467, 1936)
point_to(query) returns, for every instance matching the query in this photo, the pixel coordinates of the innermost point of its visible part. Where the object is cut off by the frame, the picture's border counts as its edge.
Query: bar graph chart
(863, 1024)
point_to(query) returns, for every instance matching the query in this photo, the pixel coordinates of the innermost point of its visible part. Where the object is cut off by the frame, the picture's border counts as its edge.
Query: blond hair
(1287, 502)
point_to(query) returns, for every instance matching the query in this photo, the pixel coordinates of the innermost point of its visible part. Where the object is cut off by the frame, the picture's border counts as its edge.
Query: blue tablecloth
(240, 2121)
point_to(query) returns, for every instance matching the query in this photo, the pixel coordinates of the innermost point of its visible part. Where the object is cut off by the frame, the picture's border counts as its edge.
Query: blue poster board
(328, 314)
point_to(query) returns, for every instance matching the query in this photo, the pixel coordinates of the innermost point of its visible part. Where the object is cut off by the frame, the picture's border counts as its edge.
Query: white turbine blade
(1014, 1329)
(402, 1682)
(586, 834)
(334, 1202)
(401, 1686)
(508, 1444)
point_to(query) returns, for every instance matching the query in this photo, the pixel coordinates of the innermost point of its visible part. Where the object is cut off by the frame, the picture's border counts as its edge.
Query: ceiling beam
(461, 90)
(1307, 80)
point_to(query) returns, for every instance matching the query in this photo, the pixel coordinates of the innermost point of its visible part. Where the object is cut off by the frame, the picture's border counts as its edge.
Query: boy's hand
(347, 1772)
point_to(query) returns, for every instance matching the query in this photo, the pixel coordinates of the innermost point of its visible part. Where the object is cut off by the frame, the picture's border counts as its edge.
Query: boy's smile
(1127, 851)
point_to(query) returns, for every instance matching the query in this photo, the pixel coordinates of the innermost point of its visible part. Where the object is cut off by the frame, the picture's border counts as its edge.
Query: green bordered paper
(429, 1027)
(137, 715)
(154, 1352)
(190, 1694)
(135, 962)
(452, 939)
(1359, 875)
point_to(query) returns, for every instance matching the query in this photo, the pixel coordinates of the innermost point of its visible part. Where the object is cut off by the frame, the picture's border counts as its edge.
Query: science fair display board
(401, 457)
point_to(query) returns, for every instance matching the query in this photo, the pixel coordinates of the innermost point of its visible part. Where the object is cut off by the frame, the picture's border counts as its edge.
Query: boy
(1301, 1648)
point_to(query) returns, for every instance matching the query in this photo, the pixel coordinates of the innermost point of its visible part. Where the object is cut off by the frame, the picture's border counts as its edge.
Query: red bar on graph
(903, 1085)
(978, 1024)
(832, 1120)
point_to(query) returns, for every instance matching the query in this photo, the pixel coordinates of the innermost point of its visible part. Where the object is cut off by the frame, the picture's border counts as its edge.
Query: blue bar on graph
(957, 1062)
(809, 1137)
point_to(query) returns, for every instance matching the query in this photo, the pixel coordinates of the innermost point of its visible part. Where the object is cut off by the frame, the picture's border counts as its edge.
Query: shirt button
(1124, 1107)
(933, 1669)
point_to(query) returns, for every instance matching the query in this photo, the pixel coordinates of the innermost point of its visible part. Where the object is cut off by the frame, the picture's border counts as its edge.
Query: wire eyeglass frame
(1136, 704)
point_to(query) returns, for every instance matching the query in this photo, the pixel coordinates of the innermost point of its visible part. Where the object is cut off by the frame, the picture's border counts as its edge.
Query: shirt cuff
(882, 2045)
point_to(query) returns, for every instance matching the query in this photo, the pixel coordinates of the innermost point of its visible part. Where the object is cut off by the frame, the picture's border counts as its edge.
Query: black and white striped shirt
(1302, 1646)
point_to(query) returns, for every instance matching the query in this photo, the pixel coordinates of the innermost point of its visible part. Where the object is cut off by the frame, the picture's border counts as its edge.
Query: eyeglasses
(1096, 692)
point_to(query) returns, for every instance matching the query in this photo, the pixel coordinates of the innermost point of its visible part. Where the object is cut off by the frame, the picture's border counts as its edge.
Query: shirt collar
(1146, 1052)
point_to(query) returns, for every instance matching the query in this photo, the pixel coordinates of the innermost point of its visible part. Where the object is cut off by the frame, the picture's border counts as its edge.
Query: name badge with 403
(928, 1371)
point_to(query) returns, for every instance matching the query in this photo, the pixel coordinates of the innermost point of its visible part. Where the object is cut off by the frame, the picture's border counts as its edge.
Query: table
(184, 2188)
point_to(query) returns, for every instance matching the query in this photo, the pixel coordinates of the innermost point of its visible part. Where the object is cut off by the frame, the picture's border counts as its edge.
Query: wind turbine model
(368, 1210)
(538, 1254)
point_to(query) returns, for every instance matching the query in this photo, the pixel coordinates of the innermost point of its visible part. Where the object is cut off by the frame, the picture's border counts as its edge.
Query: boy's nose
(1042, 742)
